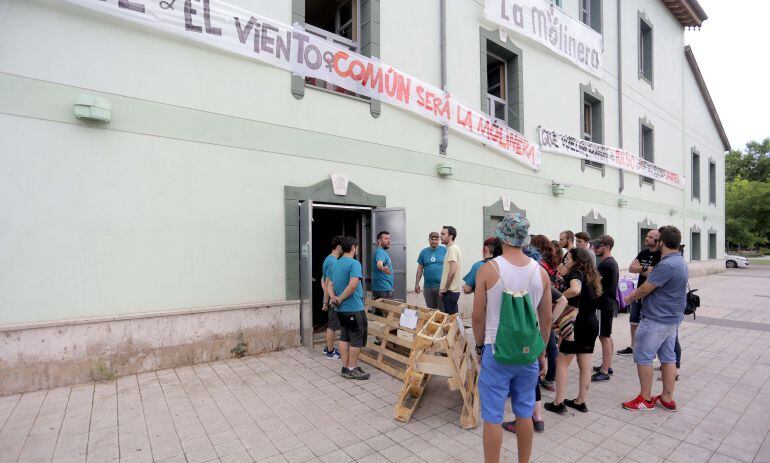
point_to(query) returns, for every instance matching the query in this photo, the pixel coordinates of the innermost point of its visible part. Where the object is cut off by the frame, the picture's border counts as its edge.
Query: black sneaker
(552, 407)
(599, 368)
(627, 351)
(345, 373)
(599, 376)
(579, 407)
(358, 373)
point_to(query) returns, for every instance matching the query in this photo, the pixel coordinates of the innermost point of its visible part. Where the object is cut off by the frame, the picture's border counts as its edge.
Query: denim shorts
(498, 381)
(655, 338)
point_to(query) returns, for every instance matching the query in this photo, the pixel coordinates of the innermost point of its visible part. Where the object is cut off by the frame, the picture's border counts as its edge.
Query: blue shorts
(498, 381)
(655, 338)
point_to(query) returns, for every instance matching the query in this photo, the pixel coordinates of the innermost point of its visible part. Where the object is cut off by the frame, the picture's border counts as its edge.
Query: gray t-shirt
(667, 302)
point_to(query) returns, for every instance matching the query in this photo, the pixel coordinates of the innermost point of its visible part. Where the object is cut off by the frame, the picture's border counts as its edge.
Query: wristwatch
(644, 268)
(480, 349)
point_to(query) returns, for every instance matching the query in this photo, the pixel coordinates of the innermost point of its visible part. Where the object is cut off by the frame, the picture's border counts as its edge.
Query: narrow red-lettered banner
(560, 143)
(294, 49)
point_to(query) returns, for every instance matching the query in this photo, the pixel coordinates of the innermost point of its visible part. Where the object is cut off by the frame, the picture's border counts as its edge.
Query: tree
(751, 164)
(748, 212)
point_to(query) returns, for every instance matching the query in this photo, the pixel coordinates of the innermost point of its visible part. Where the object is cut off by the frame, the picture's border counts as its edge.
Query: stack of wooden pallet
(390, 344)
(440, 348)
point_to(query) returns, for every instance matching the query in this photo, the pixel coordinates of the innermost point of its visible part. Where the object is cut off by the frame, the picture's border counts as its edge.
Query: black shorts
(353, 327)
(606, 314)
(334, 320)
(586, 331)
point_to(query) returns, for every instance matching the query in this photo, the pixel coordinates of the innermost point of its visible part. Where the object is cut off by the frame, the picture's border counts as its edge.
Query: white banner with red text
(550, 26)
(224, 26)
(560, 143)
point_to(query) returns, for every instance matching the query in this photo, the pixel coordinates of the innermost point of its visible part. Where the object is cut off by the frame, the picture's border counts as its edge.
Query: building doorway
(330, 221)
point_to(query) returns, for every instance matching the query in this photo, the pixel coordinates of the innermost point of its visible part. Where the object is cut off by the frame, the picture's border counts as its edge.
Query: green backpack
(518, 341)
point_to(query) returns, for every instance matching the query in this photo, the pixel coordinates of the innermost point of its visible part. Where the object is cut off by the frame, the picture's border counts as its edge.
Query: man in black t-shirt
(643, 265)
(607, 303)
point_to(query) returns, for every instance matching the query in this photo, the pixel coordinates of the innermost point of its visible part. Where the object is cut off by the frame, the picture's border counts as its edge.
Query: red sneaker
(669, 406)
(639, 404)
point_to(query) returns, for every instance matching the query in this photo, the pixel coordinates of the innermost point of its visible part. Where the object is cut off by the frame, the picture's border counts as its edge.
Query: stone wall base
(51, 354)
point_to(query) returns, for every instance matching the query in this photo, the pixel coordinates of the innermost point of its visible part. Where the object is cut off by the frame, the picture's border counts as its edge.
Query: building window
(712, 182)
(712, 245)
(336, 22)
(592, 121)
(695, 174)
(645, 49)
(501, 89)
(556, 2)
(591, 14)
(497, 97)
(646, 147)
(695, 246)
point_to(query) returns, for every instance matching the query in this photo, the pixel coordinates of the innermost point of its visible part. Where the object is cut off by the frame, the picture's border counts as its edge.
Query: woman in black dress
(583, 287)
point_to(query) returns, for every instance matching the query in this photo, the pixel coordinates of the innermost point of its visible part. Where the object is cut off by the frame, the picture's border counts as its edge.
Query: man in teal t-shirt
(326, 273)
(382, 268)
(430, 263)
(348, 299)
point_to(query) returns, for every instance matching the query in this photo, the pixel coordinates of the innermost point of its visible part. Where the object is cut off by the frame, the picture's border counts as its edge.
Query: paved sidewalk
(293, 406)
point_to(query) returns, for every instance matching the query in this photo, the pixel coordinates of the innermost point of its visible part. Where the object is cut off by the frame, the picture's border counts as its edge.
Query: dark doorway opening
(329, 222)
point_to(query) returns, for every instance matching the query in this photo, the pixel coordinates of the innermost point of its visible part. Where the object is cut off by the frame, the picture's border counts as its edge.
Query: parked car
(732, 261)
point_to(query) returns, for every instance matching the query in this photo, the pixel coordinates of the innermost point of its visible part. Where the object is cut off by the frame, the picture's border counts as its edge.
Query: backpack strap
(497, 271)
(529, 277)
(531, 274)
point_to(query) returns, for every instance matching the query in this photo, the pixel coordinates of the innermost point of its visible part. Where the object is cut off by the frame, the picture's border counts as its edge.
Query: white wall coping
(140, 315)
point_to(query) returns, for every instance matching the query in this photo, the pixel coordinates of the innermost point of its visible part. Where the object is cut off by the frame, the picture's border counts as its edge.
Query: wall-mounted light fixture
(558, 188)
(673, 212)
(92, 109)
(705, 218)
(444, 169)
(622, 202)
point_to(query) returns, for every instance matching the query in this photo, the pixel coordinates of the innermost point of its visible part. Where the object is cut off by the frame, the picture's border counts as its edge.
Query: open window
(336, 21)
(501, 79)
(591, 14)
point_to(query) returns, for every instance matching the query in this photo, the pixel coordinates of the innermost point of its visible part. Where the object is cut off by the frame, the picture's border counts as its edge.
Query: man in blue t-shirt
(665, 298)
(326, 271)
(491, 249)
(430, 263)
(347, 297)
(382, 268)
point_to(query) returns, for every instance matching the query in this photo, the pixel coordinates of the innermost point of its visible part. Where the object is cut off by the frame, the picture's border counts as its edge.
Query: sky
(731, 50)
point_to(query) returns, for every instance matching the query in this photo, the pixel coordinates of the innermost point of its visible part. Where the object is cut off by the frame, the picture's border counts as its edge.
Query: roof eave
(706, 96)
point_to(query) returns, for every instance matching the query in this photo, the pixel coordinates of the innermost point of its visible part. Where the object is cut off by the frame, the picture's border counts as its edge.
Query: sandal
(509, 426)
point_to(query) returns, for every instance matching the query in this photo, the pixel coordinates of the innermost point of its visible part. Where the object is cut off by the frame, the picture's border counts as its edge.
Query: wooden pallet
(440, 348)
(392, 355)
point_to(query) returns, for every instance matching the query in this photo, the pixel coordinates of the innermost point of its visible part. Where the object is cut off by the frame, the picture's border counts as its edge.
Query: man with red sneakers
(665, 295)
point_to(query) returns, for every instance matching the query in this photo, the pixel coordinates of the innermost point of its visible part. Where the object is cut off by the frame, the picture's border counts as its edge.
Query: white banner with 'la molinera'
(549, 25)
(224, 26)
(560, 143)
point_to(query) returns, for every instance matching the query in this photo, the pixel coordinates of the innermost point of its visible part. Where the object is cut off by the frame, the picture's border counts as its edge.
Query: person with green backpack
(511, 325)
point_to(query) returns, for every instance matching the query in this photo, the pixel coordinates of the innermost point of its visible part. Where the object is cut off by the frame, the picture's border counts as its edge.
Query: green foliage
(747, 194)
(241, 348)
(748, 212)
(751, 164)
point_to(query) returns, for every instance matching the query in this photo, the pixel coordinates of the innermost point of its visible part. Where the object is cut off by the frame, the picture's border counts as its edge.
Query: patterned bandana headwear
(513, 230)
